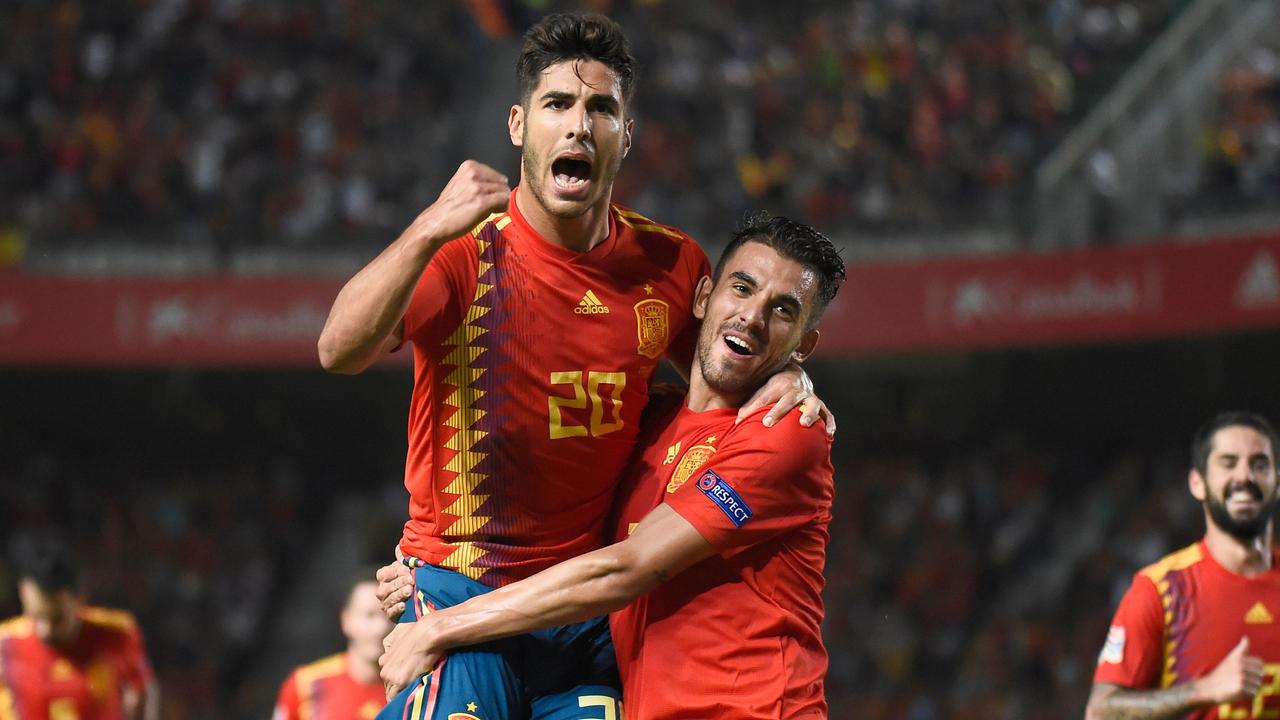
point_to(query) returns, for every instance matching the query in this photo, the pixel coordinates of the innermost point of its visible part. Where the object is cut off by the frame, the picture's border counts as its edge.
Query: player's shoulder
(786, 433)
(15, 627)
(121, 621)
(1176, 561)
(647, 229)
(324, 667)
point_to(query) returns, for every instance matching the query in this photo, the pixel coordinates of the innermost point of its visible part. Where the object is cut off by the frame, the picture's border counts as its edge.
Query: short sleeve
(1132, 653)
(761, 482)
(436, 306)
(680, 351)
(287, 702)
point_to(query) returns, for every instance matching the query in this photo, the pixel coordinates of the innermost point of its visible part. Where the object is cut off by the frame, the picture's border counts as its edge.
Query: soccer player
(64, 660)
(537, 317)
(1196, 635)
(345, 686)
(724, 526)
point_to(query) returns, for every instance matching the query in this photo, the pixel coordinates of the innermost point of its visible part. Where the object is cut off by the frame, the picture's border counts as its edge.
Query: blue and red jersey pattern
(1182, 616)
(86, 681)
(531, 369)
(738, 635)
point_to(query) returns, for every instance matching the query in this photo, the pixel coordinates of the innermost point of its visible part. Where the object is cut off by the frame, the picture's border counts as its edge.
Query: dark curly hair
(574, 36)
(798, 242)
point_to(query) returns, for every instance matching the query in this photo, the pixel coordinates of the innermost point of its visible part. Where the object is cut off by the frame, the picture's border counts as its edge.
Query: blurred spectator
(235, 125)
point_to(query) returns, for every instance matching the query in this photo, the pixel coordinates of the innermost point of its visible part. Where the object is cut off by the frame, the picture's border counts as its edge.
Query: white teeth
(737, 342)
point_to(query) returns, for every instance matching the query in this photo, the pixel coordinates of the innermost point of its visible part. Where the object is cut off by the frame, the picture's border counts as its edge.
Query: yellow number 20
(582, 394)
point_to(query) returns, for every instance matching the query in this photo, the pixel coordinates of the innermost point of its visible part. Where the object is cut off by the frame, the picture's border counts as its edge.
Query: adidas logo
(591, 305)
(1258, 615)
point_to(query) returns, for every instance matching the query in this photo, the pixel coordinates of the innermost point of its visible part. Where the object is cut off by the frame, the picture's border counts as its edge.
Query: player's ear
(628, 127)
(808, 342)
(515, 125)
(701, 296)
(1196, 483)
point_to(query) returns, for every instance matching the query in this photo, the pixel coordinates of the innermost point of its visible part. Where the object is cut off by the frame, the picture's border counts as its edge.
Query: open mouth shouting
(571, 173)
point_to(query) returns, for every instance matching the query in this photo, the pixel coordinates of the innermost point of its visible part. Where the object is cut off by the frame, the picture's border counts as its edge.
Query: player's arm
(788, 388)
(1238, 677)
(287, 701)
(366, 320)
(663, 545)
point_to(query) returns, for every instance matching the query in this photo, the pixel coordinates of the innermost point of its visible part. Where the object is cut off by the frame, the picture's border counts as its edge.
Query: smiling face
(753, 321)
(1239, 486)
(574, 135)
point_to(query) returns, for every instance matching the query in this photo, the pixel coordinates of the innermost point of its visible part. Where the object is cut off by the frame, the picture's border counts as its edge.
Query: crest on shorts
(694, 458)
(651, 327)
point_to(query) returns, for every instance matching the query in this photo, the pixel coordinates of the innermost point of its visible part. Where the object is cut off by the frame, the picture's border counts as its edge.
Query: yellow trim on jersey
(500, 219)
(8, 710)
(106, 617)
(633, 219)
(305, 679)
(1158, 573)
(462, 354)
(14, 627)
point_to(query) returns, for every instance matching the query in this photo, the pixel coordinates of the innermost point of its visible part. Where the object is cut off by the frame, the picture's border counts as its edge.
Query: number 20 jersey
(531, 369)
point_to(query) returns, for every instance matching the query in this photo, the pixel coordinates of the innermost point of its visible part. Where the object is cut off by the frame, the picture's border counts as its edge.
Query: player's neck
(702, 397)
(1238, 556)
(362, 671)
(579, 234)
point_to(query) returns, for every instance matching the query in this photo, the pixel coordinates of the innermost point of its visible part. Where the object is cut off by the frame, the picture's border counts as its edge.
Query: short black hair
(574, 36)
(796, 241)
(1202, 441)
(45, 560)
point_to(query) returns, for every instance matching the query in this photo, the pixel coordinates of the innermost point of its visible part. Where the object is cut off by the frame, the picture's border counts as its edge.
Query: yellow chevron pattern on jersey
(633, 219)
(462, 355)
(1258, 615)
(1158, 572)
(306, 679)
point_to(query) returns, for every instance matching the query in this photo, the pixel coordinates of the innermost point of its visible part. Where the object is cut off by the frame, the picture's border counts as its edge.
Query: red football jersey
(736, 636)
(325, 690)
(84, 682)
(1182, 616)
(531, 368)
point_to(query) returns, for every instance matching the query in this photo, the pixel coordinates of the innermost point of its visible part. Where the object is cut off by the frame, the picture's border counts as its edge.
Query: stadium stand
(992, 504)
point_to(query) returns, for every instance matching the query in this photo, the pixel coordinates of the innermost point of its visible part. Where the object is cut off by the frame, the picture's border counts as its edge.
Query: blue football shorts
(561, 673)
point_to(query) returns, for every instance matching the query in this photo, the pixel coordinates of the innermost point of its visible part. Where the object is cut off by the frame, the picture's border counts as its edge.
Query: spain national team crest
(651, 327)
(694, 458)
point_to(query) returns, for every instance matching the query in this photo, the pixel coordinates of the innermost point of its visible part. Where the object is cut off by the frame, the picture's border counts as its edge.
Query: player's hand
(407, 656)
(1238, 677)
(395, 587)
(789, 388)
(474, 191)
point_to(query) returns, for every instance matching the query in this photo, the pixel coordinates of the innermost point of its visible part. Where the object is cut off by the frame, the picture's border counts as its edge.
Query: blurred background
(1061, 217)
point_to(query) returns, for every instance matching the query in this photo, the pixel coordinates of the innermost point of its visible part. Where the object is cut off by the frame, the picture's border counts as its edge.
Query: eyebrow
(791, 301)
(609, 100)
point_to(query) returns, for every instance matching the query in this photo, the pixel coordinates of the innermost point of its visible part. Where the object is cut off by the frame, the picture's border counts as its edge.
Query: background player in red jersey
(537, 317)
(730, 521)
(1197, 634)
(345, 686)
(63, 660)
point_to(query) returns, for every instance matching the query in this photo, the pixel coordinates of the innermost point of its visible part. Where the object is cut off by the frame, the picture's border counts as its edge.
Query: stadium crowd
(239, 125)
